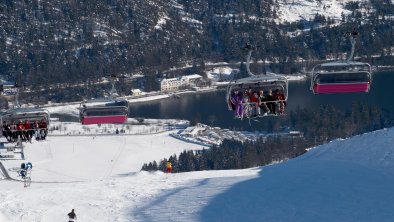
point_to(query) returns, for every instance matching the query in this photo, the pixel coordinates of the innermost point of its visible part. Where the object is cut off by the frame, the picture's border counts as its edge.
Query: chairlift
(22, 114)
(34, 120)
(107, 110)
(342, 76)
(104, 111)
(255, 83)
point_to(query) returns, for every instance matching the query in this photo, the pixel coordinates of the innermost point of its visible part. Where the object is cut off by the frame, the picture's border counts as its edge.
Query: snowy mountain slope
(345, 180)
(295, 10)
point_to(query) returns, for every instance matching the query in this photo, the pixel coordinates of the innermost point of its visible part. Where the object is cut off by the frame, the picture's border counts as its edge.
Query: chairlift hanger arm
(250, 49)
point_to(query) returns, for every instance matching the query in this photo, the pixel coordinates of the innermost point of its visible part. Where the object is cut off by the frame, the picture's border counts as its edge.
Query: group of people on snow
(261, 103)
(25, 130)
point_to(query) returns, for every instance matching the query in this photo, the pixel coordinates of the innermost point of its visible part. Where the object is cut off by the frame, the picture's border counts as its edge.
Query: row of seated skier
(25, 130)
(262, 103)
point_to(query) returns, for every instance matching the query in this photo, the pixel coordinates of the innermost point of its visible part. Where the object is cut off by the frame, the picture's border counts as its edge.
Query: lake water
(210, 107)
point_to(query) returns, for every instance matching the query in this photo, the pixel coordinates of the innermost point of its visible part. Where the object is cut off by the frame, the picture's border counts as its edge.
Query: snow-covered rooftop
(190, 77)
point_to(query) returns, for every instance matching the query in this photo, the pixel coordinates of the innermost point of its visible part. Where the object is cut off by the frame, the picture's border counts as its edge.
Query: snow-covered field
(345, 180)
(86, 158)
(132, 127)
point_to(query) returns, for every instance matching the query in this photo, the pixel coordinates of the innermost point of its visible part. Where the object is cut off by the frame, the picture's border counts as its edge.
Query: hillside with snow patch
(296, 10)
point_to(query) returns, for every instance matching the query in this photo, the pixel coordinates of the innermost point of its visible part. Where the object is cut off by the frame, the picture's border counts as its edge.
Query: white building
(177, 83)
(191, 80)
(170, 84)
(136, 92)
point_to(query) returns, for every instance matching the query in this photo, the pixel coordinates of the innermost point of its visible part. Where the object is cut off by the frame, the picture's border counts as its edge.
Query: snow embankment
(71, 110)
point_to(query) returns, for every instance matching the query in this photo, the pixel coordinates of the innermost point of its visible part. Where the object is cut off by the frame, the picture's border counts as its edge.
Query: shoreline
(154, 96)
(169, 95)
(216, 87)
(384, 68)
(222, 86)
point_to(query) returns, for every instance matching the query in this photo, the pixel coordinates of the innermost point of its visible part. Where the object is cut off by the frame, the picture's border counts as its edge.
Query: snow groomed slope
(345, 180)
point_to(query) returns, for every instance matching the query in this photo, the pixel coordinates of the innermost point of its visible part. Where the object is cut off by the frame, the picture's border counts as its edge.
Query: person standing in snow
(72, 217)
(169, 167)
